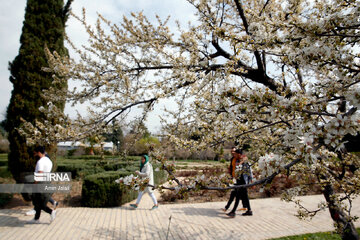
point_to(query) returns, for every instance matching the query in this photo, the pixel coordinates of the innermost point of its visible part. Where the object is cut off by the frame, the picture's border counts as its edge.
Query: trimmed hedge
(5, 198)
(115, 166)
(3, 159)
(79, 170)
(4, 172)
(100, 190)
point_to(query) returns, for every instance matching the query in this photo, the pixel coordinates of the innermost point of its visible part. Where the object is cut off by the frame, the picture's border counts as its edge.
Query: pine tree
(44, 25)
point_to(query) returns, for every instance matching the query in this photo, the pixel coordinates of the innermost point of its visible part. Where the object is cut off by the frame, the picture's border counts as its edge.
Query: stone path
(272, 218)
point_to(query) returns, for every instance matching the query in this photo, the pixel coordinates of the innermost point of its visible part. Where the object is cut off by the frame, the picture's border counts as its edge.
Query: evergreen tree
(44, 26)
(116, 136)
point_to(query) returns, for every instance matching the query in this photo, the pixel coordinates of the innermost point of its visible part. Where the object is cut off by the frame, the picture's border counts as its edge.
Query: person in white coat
(146, 171)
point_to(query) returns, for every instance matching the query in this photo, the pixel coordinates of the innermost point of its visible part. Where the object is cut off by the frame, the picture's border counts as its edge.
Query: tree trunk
(344, 224)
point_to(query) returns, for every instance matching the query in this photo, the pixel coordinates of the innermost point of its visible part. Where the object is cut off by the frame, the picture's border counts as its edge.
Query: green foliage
(80, 169)
(5, 198)
(91, 157)
(116, 136)
(116, 166)
(144, 144)
(3, 132)
(4, 172)
(159, 176)
(71, 152)
(44, 25)
(314, 236)
(82, 166)
(3, 159)
(100, 190)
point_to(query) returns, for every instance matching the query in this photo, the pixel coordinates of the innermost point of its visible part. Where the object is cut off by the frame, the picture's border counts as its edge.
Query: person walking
(244, 177)
(232, 168)
(54, 203)
(43, 165)
(146, 171)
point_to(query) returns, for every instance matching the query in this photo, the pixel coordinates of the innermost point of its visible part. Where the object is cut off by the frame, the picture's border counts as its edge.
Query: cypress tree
(44, 25)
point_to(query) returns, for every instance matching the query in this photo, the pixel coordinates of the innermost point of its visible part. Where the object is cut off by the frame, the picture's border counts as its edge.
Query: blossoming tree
(282, 76)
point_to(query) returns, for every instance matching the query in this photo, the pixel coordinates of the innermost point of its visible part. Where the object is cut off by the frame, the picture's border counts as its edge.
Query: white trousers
(152, 195)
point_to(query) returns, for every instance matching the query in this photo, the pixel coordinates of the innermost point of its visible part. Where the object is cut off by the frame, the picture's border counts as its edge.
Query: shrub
(116, 166)
(91, 157)
(4, 146)
(5, 198)
(100, 190)
(159, 176)
(4, 172)
(3, 160)
(79, 169)
(71, 152)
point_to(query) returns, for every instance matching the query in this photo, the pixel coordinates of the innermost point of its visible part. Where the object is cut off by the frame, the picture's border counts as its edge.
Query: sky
(12, 17)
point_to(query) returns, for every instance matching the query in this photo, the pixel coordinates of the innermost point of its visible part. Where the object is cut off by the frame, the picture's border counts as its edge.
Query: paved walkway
(272, 218)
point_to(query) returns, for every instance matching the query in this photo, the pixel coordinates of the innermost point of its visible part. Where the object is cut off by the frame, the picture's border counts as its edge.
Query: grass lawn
(314, 236)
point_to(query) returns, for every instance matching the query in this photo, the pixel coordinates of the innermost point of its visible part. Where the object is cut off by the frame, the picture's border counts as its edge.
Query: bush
(5, 198)
(4, 172)
(79, 169)
(4, 146)
(159, 176)
(71, 152)
(116, 166)
(100, 190)
(3, 159)
(93, 157)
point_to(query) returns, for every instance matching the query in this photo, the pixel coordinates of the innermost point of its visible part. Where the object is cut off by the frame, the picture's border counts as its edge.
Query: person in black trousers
(232, 174)
(43, 165)
(244, 173)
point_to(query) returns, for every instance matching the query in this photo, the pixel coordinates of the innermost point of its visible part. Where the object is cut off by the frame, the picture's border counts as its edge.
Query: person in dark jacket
(244, 176)
(232, 168)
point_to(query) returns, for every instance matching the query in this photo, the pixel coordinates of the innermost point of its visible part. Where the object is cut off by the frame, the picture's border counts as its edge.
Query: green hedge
(83, 168)
(5, 198)
(3, 159)
(100, 190)
(4, 172)
(79, 170)
(115, 166)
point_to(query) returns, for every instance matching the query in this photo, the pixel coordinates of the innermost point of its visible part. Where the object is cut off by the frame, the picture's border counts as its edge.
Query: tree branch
(242, 15)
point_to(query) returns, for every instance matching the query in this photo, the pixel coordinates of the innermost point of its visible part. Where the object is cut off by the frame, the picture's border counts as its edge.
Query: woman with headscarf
(146, 171)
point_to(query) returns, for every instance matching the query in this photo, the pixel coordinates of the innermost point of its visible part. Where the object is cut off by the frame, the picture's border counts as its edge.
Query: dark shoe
(247, 213)
(224, 209)
(231, 214)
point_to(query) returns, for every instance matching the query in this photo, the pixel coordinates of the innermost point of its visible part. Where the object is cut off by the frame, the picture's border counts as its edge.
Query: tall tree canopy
(44, 26)
(281, 75)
